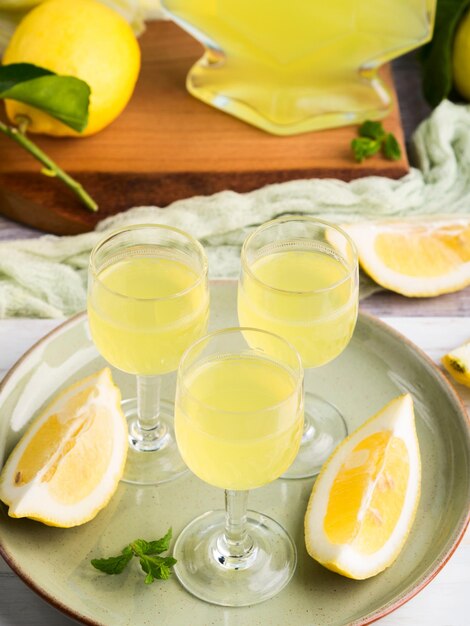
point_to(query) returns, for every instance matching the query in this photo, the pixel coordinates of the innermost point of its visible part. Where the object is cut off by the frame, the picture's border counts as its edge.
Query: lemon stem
(22, 121)
(51, 168)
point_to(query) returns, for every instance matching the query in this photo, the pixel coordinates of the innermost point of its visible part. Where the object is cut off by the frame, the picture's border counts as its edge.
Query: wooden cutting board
(167, 145)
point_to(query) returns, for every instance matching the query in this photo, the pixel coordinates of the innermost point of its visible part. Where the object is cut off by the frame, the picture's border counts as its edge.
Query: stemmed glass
(148, 300)
(238, 423)
(299, 279)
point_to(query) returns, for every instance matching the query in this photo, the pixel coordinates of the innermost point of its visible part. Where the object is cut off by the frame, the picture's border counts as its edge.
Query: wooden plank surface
(387, 303)
(167, 145)
(443, 602)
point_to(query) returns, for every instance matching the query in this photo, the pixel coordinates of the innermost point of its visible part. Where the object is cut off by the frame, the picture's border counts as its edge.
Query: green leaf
(165, 572)
(65, 98)
(14, 73)
(373, 130)
(161, 545)
(114, 564)
(391, 147)
(155, 567)
(139, 546)
(170, 561)
(364, 147)
(436, 56)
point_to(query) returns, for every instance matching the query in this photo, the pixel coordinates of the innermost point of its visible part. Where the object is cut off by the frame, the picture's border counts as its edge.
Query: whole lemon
(85, 39)
(461, 57)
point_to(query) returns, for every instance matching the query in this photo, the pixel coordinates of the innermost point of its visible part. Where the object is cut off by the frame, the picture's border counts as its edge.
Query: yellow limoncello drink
(289, 61)
(144, 311)
(306, 295)
(239, 420)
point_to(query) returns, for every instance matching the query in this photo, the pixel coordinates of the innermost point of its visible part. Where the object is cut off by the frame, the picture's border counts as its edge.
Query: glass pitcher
(302, 65)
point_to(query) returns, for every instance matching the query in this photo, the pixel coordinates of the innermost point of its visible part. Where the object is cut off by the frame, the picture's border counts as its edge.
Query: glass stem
(309, 430)
(147, 433)
(235, 547)
(148, 401)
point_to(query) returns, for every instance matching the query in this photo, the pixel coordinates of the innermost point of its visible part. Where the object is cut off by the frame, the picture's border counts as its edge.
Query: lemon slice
(457, 363)
(365, 498)
(67, 465)
(415, 258)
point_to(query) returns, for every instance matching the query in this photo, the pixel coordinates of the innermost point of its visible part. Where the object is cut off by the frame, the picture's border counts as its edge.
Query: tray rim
(373, 617)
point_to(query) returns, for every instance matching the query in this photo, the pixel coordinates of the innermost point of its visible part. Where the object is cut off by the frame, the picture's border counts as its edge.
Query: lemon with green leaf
(85, 39)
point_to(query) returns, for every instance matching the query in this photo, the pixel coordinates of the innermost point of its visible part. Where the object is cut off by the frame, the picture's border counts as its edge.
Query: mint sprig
(155, 567)
(373, 138)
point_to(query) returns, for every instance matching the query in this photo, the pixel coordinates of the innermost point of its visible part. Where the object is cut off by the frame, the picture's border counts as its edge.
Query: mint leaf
(139, 546)
(372, 138)
(364, 147)
(114, 564)
(142, 547)
(155, 567)
(373, 130)
(391, 147)
(436, 56)
(165, 568)
(161, 545)
(65, 98)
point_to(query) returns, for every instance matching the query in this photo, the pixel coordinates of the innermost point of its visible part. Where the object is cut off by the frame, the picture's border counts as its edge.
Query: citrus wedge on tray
(67, 465)
(364, 500)
(417, 258)
(457, 363)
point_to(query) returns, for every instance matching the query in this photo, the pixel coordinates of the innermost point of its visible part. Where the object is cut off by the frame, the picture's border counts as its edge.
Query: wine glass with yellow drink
(148, 300)
(238, 423)
(299, 279)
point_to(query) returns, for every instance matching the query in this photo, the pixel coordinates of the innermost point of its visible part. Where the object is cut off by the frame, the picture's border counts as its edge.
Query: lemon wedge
(457, 363)
(417, 257)
(365, 498)
(67, 465)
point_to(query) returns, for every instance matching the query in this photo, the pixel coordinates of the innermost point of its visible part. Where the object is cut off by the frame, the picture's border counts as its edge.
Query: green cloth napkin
(46, 277)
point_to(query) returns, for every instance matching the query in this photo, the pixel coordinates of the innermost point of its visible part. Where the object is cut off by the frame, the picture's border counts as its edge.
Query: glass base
(205, 570)
(153, 457)
(293, 108)
(324, 429)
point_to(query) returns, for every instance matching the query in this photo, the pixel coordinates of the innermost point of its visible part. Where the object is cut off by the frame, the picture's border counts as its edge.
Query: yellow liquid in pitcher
(145, 311)
(303, 64)
(306, 296)
(226, 432)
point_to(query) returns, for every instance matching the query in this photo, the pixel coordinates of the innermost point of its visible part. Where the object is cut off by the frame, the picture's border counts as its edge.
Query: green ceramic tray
(378, 365)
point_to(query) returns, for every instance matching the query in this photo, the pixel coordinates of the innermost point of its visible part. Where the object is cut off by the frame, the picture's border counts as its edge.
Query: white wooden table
(444, 602)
